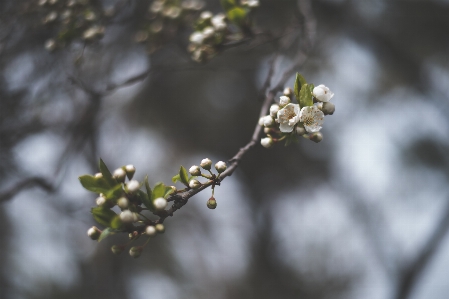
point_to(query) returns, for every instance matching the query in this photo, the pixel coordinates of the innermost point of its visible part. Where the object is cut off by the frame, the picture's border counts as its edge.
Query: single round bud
(268, 121)
(117, 249)
(127, 216)
(206, 163)
(98, 175)
(160, 228)
(284, 100)
(130, 171)
(328, 108)
(123, 203)
(195, 170)
(316, 137)
(160, 203)
(94, 233)
(135, 251)
(220, 166)
(300, 130)
(150, 230)
(194, 184)
(266, 130)
(119, 174)
(274, 110)
(208, 32)
(100, 201)
(266, 142)
(288, 92)
(50, 45)
(212, 203)
(133, 186)
(196, 38)
(261, 120)
(206, 15)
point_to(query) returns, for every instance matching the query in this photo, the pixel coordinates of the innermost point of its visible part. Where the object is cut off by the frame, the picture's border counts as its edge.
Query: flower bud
(322, 93)
(195, 170)
(266, 130)
(206, 164)
(117, 249)
(94, 233)
(316, 137)
(328, 108)
(160, 228)
(135, 251)
(133, 186)
(127, 216)
(123, 203)
(50, 45)
(119, 174)
(100, 201)
(194, 184)
(208, 32)
(268, 121)
(196, 38)
(283, 101)
(220, 166)
(288, 92)
(274, 110)
(98, 175)
(212, 203)
(267, 142)
(160, 203)
(261, 121)
(130, 171)
(206, 15)
(150, 230)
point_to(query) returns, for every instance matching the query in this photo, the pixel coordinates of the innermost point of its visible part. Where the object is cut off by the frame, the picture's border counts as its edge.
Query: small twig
(26, 184)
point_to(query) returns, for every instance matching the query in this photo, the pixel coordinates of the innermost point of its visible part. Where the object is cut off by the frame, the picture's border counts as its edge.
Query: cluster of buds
(214, 179)
(288, 120)
(72, 19)
(164, 19)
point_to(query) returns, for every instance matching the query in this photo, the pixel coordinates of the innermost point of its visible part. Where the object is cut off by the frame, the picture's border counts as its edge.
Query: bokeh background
(363, 214)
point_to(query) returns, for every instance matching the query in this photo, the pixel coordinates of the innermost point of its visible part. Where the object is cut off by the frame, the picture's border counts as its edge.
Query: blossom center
(290, 113)
(308, 120)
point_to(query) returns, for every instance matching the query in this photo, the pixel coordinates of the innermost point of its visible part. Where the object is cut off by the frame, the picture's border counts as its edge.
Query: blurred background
(363, 214)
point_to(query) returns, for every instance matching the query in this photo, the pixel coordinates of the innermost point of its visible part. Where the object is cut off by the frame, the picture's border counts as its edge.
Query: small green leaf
(116, 223)
(103, 216)
(158, 191)
(227, 4)
(299, 82)
(145, 200)
(237, 15)
(93, 184)
(114, 193)
(106, 233)
(176, 178)
(106, 173)
(184, 176)
(147, 186)
(168, 191)
(305, 95)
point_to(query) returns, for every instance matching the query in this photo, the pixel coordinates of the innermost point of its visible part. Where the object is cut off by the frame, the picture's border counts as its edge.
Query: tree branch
(26, 184)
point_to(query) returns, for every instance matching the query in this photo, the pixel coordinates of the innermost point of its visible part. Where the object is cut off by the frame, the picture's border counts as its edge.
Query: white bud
(195, 170)
(50, 45)
(283, 101)
(208, 32)
(100, 201)
(220, 166)
(160, 203)
(98, 175)
(127, 216)
(123, 203)
(94, 233)
(150, 230)
(135, 251)
(206, 163)
(322, 93)
(160, 228)
(119, 174)
(206, 15)
(196, 38)
(268, 121)
(130, 171)
(274, 110)
(261, 121)
(133, 186)
(194, 184)
(266, 142)
(288, 92)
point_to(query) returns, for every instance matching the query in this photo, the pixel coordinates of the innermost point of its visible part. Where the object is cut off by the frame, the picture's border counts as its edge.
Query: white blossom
(208, 32)
(218, 21)
(160, 203)
(268, 121)
(133, 186)
(266, 142)
(312, 118)
(196, 38)
(288, 117)
(284, 100)
(206, 15)
(322, 93)
(274, 110)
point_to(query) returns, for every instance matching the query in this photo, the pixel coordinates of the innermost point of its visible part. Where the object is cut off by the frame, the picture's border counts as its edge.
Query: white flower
(284, 100)
(274, 110)
(268, 121)
(322, 93)
(208, 32)
(288, 117)
(195, 170)
(196, 38)
(312, 118)
(220, 166)
(133, 186)
(160, 203)
(206, 15)
(266, 142)
(218, 21)
(251, 3)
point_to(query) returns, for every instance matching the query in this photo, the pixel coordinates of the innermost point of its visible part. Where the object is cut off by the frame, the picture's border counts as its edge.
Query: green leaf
(299, 82)
(93, 184)
(158, 191)
(168, 191)
(147, 202)
(147, 186)
(291, 138)
(305, 95)
(116, 223)
(237, 15)
(114, 193)
(176, 178)
(103, 216)
(106, 233)
(107, 174)
(184, 176)
(227, 4)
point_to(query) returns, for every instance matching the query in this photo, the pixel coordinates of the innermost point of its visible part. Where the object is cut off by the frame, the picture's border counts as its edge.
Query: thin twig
(26, 184)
